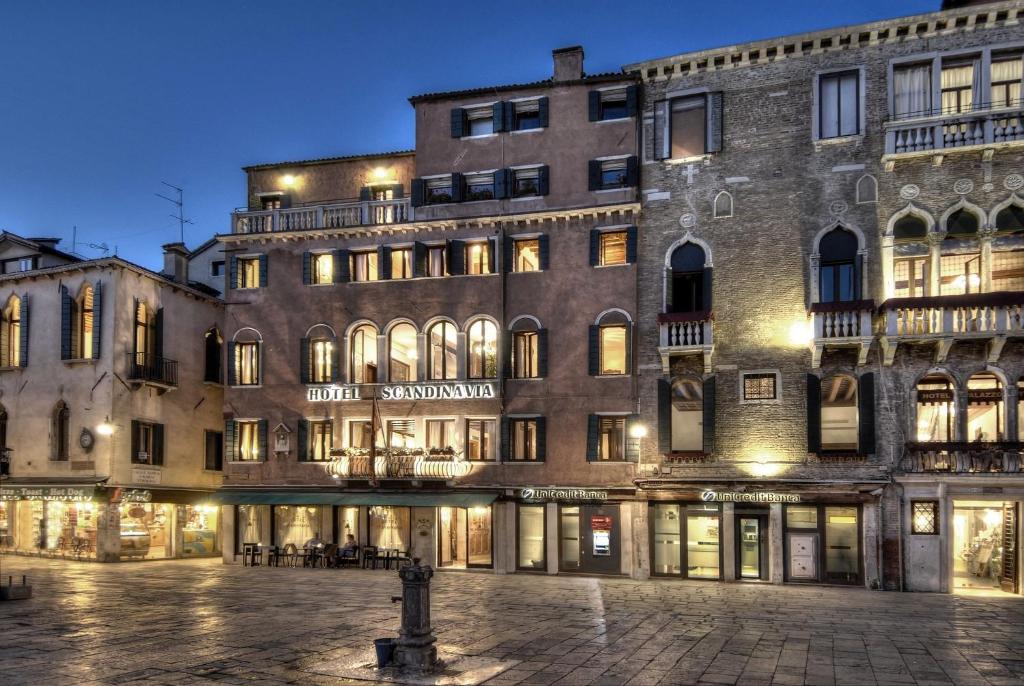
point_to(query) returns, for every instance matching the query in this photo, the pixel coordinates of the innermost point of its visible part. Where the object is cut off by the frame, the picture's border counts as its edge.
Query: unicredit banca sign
(428, 390)
(753, 497)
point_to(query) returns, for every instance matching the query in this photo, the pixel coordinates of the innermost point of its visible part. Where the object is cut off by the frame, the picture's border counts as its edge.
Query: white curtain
(912, 88)
(1003, 71)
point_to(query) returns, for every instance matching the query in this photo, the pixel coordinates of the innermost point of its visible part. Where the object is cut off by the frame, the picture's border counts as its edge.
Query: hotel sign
(440, 390)
(758, 497)
(563, 494)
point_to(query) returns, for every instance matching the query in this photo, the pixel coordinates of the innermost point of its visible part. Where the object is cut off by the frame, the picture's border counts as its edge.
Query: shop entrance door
(451, 539)
(589, 539)
(1008, 575)
(985, 545)
(751, 547)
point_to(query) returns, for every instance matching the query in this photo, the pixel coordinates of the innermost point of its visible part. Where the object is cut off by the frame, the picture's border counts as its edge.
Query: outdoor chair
(327, 559)
(290, 554)
(347, 556)
(370, 557)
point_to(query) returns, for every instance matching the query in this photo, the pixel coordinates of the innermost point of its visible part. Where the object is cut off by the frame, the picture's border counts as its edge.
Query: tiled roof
(546, 83)
(328, 160)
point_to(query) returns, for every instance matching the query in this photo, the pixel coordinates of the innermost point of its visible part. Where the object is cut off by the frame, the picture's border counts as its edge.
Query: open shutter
(303, 440)
(233, 272)
(632, 171)
(66, 304)
(263, 445)
(858, 277)
(595, 247)
(342, 272)
(594, 350)
(232, 371)
(543, 180)
(706, 289)
(709, 415)
(307, 268)
(97, 319)
(304, 360)
(503, 439)
(158, 336)
(631, 245)
(594, 175)
(158, 444)
(492, 255)
(632, 100)
(542, 112)
(23, 338)
(384, 262)
(418, 192)
(460, 122)
(632, 444)
(336, 362)
(542, 438)
(508, 255)
(668, 290)
(593, 431)
(419, 259)
(813, 413)
(498, 120)
(456, 257)
(502, 183)
(542, 353)
(458, 187)
(365, 194)
(664, 416)
(506, 353)
(397, 191)
(263, 271)
(866, 414)
(594, 105)
(134, 440)
(660, 134)
(714, 142)
(230, 443)
(545, 252)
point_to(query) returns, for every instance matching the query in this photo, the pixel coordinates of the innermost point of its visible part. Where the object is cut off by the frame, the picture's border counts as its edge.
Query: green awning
(227, 497)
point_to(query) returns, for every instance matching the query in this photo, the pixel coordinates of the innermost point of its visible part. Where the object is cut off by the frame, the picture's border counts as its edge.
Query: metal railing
(962, 458)
(333, 215)
(152, 369)
(386, 465)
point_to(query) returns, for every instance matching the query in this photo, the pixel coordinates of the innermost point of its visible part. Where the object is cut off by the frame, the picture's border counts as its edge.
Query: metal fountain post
(415, 647)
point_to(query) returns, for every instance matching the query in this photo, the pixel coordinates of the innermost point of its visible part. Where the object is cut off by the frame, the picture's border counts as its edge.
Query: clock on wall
(86, 440)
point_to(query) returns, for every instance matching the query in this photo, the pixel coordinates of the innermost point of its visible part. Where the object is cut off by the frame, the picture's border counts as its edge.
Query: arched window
(402, 353)
(212, 346)
(723, 205)
(10, 338)
(61, 431)
(985, 418)
(526, 337)
(362, 354)
(609, 345)
(839, 279)
(482, 350)
(319, 355)
(962, 222)
(1010, 218)
(82, 324)
(245, 364)
(910, 226)
(839, 425)
(867, 189)
(687, 414)
(936, 398)
(442, 341)
(688, 283)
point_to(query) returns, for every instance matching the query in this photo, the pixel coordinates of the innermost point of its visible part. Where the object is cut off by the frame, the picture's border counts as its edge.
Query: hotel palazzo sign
(428, 390)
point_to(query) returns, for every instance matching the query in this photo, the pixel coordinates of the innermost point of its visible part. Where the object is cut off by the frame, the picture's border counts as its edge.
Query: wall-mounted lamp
(105, 428)
(288, 180)
(638, 431)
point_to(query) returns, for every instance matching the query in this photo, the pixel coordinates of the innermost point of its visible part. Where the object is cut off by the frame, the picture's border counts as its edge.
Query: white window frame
(476, 112)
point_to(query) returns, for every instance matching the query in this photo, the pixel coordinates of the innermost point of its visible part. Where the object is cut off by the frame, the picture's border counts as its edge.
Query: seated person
(349, 548)
(314, 542)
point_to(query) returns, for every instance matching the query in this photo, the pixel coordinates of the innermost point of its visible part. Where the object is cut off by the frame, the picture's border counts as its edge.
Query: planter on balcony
(962, 458)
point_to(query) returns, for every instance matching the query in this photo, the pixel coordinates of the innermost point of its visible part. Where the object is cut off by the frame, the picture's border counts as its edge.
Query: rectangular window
(1005, 78)
(613, 345)
(479, 186)
(838, 282)
(958, 86)
(613, 174)
(911, 277)
(360, 434)
(524, 355)
(321, 364)
(439, 190)
(440, 434)
(611, 439)
(525, 182)
(436, 263)
(248, 272)
(526, 255)
(248, 437)
(478, 257)
(480, 440)
(522, 439)
(401, 263)
(960, 274)
(364, 266)
(271, 202)
(320, 439)
(613, 248)
(912, 91)
(526, 115)
(613, 105)
(924, 517)
(322, 268)
(402, 433)
(1008, 270)
(481, 120)
(143, 443)
(217, 268)
(19, 264)
(839, 104)
(687, 126)
(760, 386)
(532, 539)
(247, 364)
(214, 451)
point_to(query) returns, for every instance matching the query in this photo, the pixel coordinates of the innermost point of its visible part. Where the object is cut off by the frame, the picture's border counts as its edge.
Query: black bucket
(385, 648)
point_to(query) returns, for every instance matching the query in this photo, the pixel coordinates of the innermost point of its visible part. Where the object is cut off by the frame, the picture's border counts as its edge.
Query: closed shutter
(706, 289)
(542, 438)
(460, 122)
(632, 171)
(458, 187)
(594, 175)
(508, 255)
(542, 112)
(456, 257)
(632, 444)
(502, 183)
(232, 371)
(158, 337)
(397, 191)
(492, 255)
(342, 272)
(158, 444)
(263, 271)
(593, 435)
(595, 248)
(866, 414)
(307, 268)
(664, 416)
(661, 133)
(384, 262)
(304, 360)
(813, 413)
(233, 272)
(858, 277)
(499, 122)
(262, 425)
(631, 245)
(23, 338)
(336, 362)
(66, 304)
(544, 246)
(418, 192)
(365, 194)
(629, 348)
(303, 440)
(632, 100)
(97, 319)
(230, 443)
(543, 180)
(709, 415)
(542, 353)
(419, 259)
(714, 142)
(504, 442)
(506, 353)
(594, 105)
(594, 348)
(135, 440)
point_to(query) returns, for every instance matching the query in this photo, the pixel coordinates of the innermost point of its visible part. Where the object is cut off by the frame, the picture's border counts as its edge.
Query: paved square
(198, 621)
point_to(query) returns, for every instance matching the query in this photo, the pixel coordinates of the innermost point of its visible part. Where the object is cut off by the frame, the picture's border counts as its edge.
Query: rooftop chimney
(176, 262)
(46, 242)
(568, 63)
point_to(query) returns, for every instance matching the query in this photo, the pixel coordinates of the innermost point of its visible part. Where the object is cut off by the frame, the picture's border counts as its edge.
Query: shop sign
(442, 390)
(563, 494)
(976, 395)
(601, 522)
(710, 496)
(131, 495)
(52, 493)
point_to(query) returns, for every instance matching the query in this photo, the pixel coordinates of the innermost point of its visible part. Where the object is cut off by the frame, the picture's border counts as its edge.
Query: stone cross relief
(691, 171)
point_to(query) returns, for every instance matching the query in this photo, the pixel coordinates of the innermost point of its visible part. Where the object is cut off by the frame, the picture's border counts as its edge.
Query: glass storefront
(200, 530)
(145, 530)
(532, 545)
(464, 537)
(390, 527)
(250, 525)
(6, 538)
(297, 524)
(699, 525)
(823, 543)
(984, 545)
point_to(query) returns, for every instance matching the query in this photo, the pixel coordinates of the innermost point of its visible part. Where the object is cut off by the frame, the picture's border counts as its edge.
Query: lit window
(82, 324)
(401, 263)
(248, 441)
(440, 434)
(960, 274)
(437, 264)
(526, 255)
(402, 354)
(483, 350)
(1008, 270)
(935, 409)
(910, 276)
(760, 386)
(924, 517)
(360, 434)
(611, 439)
(613, 349)
(525, 182)
(480, 440)
(524, 355)
(687, 126)
(478, 257)
(248, 272)
(479, 186)
(522, 437)
(320, 439)
(322, 268)
(143, 449)
(363, 355)
(985, 420)
(247, 363)
(839, 416)
(402, 433)
(321, 363)
(613, 248)
(957, 87)
(364, 266)
(442, 341)
(839, 104)
(439, 190)
(1006, 80)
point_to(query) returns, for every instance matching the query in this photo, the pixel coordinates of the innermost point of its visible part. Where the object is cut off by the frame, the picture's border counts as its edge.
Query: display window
(464, 537)
(69, 528)
(250, 526)
(984, 545)
(699, 525)
(146, 530)
(532, 544)
(6, 531)
(298, 524)
(200, 530)
(390, 527)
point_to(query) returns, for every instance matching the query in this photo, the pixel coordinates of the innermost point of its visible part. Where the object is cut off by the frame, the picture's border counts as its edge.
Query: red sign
(600, 523)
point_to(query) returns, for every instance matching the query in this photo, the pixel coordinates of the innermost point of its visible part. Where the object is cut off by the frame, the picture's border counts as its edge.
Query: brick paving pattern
(198, 621)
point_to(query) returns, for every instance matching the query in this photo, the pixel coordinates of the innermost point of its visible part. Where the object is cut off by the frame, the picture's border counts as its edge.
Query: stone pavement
(198, 621)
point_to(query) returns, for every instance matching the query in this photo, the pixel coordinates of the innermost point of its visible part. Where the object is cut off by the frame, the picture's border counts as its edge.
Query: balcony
(982, 130)
(685, 333)
(414, 464)
(962, 458)
(332, 215)
(842, 325)
(150, 370)
(943, 320)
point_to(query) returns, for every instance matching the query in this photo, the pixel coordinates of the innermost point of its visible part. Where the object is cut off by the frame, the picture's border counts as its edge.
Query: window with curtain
(11, 341)
(524, 355)
(1006, 75)
(440, 434)
(912, 91)
(483, 350)
(402, 353)
(248, 437)
(323, 268)
(250, 524)
(247, 363)
(321, 438)
(321, 368)
(839, 104)
(959, 82)
(363, 355)
(442, 339)
(480, 439)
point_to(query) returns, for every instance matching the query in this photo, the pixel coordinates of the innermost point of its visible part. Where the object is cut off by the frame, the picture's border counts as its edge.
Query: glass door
(451, 545)
(842, 551)
(569, 539)
(749, 539)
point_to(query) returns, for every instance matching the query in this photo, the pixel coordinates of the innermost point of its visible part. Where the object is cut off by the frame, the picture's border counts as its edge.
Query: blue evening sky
(101, 101)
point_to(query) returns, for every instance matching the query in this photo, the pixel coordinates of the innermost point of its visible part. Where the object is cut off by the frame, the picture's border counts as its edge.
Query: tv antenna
(180, 204)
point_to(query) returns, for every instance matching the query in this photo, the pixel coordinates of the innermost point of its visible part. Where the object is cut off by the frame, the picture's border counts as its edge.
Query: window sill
(612, 376)
(526, 197)
(611, 266)
(613, 190)
(146, 464)
(245, 462)
(530, 271)
(705, 158)
(216, 384)
(526, 378)
(321, 285)
(523, 462)
(610, 462)
(79, 361)
(247, 385)
(536, 130)
(838, 140)
(479, 136)
(612, 121)
(11, 368)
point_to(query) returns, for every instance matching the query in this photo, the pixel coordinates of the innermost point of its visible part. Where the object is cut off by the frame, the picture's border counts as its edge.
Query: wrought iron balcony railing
(391, 464)
(146, 368)
(962, 458)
